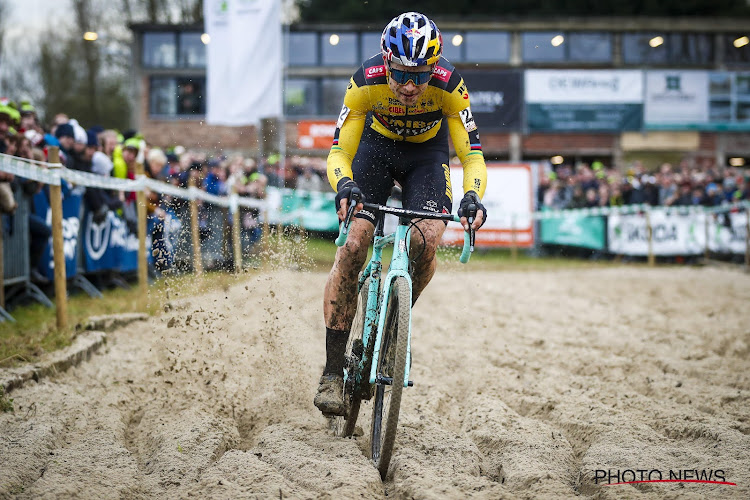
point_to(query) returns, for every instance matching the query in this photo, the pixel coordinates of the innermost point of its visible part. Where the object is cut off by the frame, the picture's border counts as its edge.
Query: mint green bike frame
(377, 303)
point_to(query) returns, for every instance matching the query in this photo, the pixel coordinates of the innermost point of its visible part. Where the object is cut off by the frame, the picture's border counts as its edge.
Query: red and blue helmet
(412, 39)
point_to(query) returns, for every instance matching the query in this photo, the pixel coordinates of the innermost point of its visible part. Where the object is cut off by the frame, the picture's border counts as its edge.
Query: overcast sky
(35, 15)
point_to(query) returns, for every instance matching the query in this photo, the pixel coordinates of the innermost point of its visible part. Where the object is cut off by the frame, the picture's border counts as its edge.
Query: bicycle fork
(399, 267)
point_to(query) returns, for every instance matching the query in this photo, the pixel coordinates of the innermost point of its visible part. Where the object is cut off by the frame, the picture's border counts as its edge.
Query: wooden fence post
(2, 269)
(747, 238)
(195, 233)
(58, 244)
(140, 197)
(707, 252)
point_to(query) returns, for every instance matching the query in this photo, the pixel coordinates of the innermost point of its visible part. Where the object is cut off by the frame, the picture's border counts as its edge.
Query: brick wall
(568, 143)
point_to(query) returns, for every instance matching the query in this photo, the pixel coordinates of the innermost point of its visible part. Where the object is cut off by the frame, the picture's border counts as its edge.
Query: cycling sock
(335, 349)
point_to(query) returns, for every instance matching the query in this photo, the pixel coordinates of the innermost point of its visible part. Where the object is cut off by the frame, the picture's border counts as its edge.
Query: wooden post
(140, 197)
(650, 233)
(514, 243)
(236, 243)
(747, 238)
(58, 247)
(266, 236)
(195, 232)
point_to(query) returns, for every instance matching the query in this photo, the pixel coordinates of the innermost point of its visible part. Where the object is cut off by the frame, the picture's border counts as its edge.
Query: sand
(526, 384)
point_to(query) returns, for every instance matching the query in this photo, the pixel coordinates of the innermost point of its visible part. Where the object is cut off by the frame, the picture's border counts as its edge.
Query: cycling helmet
(412, 39)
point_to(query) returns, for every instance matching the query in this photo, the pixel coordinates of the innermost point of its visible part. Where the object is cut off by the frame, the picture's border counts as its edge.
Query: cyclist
(392, 127)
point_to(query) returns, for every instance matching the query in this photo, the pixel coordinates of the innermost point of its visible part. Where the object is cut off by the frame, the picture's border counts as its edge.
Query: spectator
(309, 180)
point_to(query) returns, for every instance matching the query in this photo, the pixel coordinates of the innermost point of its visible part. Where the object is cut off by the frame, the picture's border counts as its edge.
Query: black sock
(335, 349)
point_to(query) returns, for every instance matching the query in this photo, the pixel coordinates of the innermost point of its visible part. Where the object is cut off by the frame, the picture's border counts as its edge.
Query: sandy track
(550, 377)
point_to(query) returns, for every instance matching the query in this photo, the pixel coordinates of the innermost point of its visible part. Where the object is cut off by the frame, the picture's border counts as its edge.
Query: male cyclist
(399, 108)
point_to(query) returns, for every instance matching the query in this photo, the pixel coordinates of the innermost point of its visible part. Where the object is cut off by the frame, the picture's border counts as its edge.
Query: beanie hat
(65, 130)
(91, 140)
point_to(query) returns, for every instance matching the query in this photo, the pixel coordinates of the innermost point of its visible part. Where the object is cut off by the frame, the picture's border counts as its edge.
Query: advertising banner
(315, 134)
(727, 232)
(244, 61)
(584, 100)
(109, 245)
(312, 210)
(575, 231)
(676, 98)
(509, 202)
(496, 99)
(71, 206)
(673, 233)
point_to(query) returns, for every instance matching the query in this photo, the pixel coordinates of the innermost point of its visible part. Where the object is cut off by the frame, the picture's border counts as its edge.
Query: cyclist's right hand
(347, 191)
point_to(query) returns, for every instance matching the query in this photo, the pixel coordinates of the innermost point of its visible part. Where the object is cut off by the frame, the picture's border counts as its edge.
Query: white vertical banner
(244, 61)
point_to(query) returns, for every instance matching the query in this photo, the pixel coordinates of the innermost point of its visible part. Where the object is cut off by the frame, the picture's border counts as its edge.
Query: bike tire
(391, 363)
(343, 426)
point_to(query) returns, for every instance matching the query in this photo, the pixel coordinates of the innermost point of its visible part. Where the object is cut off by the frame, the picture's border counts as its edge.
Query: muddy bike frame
(375, 313)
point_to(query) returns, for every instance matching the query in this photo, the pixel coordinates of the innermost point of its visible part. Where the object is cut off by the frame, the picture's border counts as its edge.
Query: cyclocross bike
(381, 331)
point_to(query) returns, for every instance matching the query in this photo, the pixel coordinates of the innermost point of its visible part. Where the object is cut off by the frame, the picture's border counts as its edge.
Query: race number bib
(468, 119)
(342, 116)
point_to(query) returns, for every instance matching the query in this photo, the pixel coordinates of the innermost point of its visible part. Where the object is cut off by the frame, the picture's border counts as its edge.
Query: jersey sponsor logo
(399, 110)
(441, 73)
(342, 116)
(468, 119)
(375, 71)
(448, 187)
(407, 128)
(466, 95)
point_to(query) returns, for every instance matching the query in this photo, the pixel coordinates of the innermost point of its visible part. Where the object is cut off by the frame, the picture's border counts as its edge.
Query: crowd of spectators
(690, 183)
(110, 153)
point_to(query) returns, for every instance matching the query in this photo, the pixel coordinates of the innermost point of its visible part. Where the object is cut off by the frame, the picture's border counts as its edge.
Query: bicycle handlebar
(468, 247)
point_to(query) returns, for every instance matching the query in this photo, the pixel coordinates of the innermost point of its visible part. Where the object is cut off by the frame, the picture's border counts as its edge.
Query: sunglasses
(403, 77)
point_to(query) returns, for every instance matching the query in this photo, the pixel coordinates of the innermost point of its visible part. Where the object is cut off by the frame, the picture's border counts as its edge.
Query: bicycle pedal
(381, 380)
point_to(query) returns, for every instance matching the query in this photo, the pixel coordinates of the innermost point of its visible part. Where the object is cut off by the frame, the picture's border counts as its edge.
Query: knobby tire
(391, 363)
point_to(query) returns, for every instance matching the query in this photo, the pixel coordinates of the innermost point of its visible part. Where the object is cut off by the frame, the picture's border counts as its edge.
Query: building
(571, 89)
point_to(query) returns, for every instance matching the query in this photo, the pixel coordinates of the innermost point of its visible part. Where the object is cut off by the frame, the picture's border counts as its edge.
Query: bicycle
(381, 331)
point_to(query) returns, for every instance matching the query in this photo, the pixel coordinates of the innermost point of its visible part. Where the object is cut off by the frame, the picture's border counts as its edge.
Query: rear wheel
(344, 426)
(391, 365)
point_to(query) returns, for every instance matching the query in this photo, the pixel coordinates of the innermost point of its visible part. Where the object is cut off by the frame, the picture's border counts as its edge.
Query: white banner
(676, 97)
(509, 202)
(673, 233)
(244, 61)
(727, 232)
(584, 86)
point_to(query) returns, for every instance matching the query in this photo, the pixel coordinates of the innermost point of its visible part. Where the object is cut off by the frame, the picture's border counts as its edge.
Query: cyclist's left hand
(472, 198)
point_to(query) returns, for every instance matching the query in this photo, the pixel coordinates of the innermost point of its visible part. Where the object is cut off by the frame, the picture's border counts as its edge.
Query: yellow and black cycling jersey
(446, 97)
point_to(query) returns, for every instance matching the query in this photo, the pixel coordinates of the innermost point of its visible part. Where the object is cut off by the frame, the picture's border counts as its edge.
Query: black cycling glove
(347, 188)
(471, 198)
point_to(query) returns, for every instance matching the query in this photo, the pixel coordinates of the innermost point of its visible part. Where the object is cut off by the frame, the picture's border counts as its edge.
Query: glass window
(302, 49)
(171, 96)
(453, 42)
(589, 47)
(640, 48)
(720, 96)
(339, 49)
(300, 97)
(737, 49)
(673, 48)
(544, 46)
(690, 49)
(161, 96)
(190, 92)
(159, 50)
(487, 46)
(370, 45)
(742, 87)
(192, 51)
(333, 90)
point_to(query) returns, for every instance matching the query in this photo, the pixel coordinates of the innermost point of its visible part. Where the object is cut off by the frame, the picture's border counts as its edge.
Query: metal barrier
(16, 257)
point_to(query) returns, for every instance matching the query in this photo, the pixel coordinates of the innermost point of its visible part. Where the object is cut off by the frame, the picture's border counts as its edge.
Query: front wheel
(391, 367)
